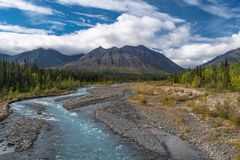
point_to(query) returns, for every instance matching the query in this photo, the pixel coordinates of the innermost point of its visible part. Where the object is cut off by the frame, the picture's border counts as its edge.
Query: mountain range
(128, 59)
(44, 58)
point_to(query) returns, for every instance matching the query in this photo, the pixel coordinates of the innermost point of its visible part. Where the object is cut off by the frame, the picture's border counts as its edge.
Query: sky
(189, 32)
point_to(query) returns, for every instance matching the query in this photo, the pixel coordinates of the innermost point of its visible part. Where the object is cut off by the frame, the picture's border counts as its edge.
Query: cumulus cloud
(20, 29)
(25, 6)
(127, 30)
(192, 54)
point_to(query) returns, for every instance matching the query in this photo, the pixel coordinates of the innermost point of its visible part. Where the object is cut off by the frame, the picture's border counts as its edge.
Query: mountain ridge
(138, 59)
(44, 58)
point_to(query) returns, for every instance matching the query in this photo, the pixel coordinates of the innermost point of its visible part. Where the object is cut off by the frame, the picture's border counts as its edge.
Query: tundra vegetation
(219, 112)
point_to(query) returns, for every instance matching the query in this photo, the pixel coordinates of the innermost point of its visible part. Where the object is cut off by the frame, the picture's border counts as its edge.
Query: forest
(18, 78)
(216, 77)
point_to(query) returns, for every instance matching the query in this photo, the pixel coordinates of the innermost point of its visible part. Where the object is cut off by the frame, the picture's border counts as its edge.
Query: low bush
(235, 119)
(168, 101)
(202, 109)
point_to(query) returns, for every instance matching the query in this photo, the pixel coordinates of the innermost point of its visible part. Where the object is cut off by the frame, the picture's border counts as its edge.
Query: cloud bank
(20, 29)
(25, 6)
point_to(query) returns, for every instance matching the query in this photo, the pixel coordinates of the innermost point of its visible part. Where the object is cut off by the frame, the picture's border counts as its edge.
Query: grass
(139, 98)
(185, 130)
(3, 111)
(168, 101)
(220, 112)
(238, 101)
(236, 144)
(179, 120)
(237, 157)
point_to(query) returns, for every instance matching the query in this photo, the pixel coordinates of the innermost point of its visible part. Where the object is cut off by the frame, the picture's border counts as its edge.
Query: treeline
(216, 77)
(28, 77)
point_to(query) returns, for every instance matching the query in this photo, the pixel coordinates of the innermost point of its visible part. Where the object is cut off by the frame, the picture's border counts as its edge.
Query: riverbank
(156, 108)
(202, 118)
(18, 133)
(5, 101)
(126, 120)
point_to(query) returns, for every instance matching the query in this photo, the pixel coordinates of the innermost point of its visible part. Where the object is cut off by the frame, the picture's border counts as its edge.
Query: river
(79, 135)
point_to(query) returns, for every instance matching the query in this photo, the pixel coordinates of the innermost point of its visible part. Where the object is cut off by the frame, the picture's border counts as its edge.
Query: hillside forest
(215, 77)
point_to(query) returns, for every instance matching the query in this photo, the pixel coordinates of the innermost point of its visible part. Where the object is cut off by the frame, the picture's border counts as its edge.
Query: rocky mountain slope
(128, 59)
(43, 57)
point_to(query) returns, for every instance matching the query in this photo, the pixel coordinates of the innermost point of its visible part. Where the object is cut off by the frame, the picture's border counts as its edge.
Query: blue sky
(189, 32)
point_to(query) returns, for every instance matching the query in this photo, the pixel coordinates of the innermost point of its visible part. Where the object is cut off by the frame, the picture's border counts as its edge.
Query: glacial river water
(79, 136)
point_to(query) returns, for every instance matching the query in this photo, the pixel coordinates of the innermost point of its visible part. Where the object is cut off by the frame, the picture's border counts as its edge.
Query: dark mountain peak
(141, 47)
(125, 59)
(43, 50)
(98, 50)
(134, 47)
(43, 57)
(113, 49)
(100, 47)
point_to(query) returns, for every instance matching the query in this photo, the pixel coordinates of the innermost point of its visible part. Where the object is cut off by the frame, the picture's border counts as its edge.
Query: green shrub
(168, 101)
(222, 111)
(238, 101)
(235, 119)
(203, 110)
(143, 101)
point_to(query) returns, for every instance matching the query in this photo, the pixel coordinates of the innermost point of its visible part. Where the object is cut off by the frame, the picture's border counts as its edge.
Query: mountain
(127, 59)
(44, 58)
(4, 56)
(232, 57)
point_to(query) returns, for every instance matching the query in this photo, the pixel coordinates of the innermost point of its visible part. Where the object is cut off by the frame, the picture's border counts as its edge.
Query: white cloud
(25, 6)
(134, 7)
(96, 16)
(215, 8)
(198, 53)
(20, 29)
(127, 30)
(82, 23)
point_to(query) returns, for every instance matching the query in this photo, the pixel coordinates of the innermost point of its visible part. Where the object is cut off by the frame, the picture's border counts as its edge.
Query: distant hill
(232, 57)
(4, 56)
(128, 59)
(44, 58)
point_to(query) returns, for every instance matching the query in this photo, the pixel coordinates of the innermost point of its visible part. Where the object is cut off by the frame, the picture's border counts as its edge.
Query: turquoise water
(79, 136)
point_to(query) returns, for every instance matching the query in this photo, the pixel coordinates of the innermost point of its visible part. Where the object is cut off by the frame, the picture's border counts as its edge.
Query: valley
(150, 109)
(119, 80)
(82, 122)
(155, 120)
